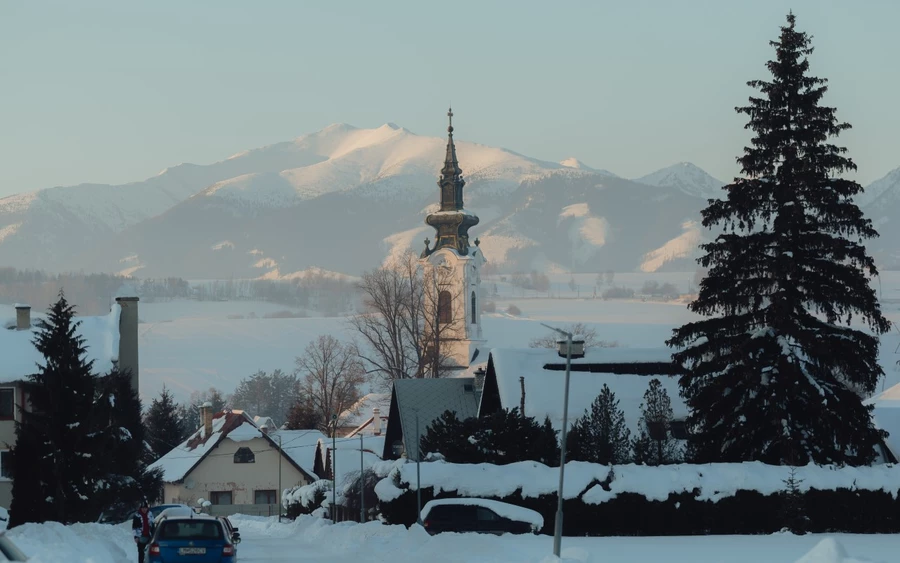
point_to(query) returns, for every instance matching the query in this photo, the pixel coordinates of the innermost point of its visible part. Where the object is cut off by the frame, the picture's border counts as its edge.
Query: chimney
(376, 421)
(479, 379)
(577, 346)
(128, 338)
(23, 317)
(206, 416)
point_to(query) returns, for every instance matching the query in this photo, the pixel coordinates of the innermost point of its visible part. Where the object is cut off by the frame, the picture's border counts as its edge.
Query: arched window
(474, 309)
(445, 313)
(244, 455)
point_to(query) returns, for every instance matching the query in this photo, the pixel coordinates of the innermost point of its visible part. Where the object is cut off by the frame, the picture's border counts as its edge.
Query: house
(416, 403)
(369, 415)
(110, 340)
(236, 465)
(533, 380)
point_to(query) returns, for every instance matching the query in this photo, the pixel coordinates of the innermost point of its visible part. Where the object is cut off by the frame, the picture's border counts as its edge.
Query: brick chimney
(23, 317)
(128, 338)
(206, 417)
(376, 421)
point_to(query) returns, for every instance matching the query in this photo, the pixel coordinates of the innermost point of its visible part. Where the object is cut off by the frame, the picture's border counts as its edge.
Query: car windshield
(190, 530)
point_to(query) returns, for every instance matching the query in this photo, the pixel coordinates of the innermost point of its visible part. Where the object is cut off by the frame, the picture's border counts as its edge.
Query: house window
(7, 403)
(220, 497)
(474, 309)
(265, 497)
(679, 429)
(5, 467)
(445, 314)
(244, 455)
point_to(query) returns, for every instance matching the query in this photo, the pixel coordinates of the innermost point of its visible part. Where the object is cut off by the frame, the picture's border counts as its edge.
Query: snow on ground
(79, 543)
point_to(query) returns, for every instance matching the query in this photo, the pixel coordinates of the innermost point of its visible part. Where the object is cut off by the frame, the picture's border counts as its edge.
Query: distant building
(368, 416)
(111, 340)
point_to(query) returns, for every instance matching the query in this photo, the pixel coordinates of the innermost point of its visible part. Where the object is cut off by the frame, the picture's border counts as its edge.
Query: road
(266, 549)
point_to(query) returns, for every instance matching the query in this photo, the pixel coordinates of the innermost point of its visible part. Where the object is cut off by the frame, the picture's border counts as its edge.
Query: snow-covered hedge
(674, 499)
(306, 498)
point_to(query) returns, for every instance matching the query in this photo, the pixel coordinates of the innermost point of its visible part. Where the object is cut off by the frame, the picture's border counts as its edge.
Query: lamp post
(362, 483)
(418, 473)
(333, 468)
(280, 490)
(557, 532)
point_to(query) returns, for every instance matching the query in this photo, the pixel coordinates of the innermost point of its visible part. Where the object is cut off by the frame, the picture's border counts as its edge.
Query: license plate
(191, 551)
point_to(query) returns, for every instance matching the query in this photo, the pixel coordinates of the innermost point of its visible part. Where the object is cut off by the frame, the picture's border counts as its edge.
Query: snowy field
(309, 539)
(191, 345)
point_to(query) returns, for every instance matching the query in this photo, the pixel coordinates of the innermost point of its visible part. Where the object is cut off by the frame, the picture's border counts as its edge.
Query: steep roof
(544, 380)
(20, 357)
(361, 411)
(234, 425)
(428, 399)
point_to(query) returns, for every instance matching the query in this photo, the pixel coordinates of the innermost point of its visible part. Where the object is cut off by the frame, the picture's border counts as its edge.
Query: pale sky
(112, 92)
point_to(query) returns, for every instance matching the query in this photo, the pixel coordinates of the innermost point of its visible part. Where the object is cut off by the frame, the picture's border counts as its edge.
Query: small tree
(655, 445)
(330, 373)
(600, 435)
(793, 513)
(163, 427)
(190, 414)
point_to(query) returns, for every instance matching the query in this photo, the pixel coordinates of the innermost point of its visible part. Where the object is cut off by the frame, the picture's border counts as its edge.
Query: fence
(248, 509)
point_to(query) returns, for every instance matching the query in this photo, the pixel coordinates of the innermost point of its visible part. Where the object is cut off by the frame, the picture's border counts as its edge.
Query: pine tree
(55, 468)
(267, 395)
(163, 428)
(123, 456)
(777, 368)
(189, 414)
(655, 444)
(303, 416)
(600, 435)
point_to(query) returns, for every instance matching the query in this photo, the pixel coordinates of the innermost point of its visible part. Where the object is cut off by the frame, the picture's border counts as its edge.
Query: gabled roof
(300, 446)
(234, 425)
(361, 411)
(20, 357)
(544, 381)
(427, 399)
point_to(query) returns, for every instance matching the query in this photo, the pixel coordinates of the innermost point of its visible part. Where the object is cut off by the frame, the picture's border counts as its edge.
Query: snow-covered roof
(20, 357)
(300, 446)
(362, 410)
(348, 463)
(544, 388)
(502, 509)
(234, 425)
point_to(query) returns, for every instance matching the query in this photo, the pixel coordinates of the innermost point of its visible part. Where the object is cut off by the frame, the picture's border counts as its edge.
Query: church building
(452, 276)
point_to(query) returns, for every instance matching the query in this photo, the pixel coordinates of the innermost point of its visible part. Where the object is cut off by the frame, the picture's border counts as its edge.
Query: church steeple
(452, 221)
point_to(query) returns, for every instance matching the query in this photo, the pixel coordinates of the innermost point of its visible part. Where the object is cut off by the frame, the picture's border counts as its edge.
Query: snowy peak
(575, 163)
(687, 177)
(881, 191)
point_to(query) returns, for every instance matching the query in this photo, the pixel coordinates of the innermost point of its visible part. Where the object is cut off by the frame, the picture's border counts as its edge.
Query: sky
(112, 92)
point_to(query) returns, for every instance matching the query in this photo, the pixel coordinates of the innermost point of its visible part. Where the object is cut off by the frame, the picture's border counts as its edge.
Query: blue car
(197, 539)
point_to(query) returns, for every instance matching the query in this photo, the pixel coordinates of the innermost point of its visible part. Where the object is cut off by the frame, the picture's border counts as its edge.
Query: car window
(485, 515)
(190, 530)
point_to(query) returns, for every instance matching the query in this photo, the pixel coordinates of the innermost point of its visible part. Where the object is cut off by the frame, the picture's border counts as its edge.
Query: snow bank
(712, 481)
(52, 542)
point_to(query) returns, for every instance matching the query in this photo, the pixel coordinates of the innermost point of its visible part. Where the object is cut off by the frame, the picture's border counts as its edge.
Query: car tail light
(154, 549)
(228, 550)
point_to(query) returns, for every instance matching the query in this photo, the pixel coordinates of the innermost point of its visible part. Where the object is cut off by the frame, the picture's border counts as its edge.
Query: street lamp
(333, 468)
(557, 532)
(280, 490)
(362, 483)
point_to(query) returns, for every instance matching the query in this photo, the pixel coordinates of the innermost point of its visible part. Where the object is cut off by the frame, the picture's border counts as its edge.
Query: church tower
(452, 275)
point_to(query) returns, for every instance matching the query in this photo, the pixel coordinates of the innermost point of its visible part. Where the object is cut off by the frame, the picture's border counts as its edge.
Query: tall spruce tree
(600, 435)
(655, 444)
(777, 371)
(162, 424)
(55, 460)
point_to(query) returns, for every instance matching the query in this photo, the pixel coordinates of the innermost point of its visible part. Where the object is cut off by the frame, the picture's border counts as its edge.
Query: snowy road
(282, 550)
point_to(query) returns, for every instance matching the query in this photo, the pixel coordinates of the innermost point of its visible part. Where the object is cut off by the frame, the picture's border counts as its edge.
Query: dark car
(117, 513)
(199, 539)
(479, 515)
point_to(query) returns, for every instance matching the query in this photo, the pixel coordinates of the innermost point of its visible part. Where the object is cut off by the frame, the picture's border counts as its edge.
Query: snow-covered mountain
(346, 199)
(686, 177)
(881, 203)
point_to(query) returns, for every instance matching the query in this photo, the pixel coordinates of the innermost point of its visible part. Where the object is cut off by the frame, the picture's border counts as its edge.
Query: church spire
(451, 222)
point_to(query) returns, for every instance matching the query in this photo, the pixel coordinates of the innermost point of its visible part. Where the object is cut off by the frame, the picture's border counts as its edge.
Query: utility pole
(362, 483)
(418, 473)
(280, 491)
(333, 468)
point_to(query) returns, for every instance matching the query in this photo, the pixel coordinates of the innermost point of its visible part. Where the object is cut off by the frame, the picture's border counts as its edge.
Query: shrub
(489, 307)
(618, 293)
(305, 499)
(513, 310)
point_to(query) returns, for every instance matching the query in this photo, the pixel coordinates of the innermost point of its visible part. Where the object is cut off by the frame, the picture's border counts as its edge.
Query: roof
(544, 387)
(348, 461)
(300, 446)
(428, 399)
(234, 425)
(20, 357)
(361, 411)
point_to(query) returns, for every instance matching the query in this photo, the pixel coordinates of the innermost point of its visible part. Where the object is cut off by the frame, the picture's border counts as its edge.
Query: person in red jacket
(143, 529)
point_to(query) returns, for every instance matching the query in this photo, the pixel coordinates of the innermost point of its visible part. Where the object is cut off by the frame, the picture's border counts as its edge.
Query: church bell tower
(452, 273)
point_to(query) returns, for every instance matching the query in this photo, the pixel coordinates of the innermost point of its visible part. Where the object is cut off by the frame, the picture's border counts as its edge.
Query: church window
(474, 309)
(445, 314)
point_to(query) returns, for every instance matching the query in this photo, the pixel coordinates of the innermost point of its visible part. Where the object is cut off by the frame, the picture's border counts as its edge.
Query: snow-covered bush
(306, 498)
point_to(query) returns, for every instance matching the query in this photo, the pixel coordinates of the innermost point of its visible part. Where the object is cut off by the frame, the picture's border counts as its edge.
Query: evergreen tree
(303, 416)
(190, 413)
(55, 462)
(655, 445)
(163, 427)
(777, 367)
(451, 437)
(600, 435)
(267, 395)
(124, 458)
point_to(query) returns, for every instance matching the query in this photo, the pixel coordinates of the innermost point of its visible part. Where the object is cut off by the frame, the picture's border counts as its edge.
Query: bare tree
(577, 329)
(331, 374)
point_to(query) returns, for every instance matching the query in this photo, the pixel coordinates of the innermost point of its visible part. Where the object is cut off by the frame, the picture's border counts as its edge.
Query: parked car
(232, 531)
(9, 551)
(195, 539)
(170, 510)
(479, 515)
